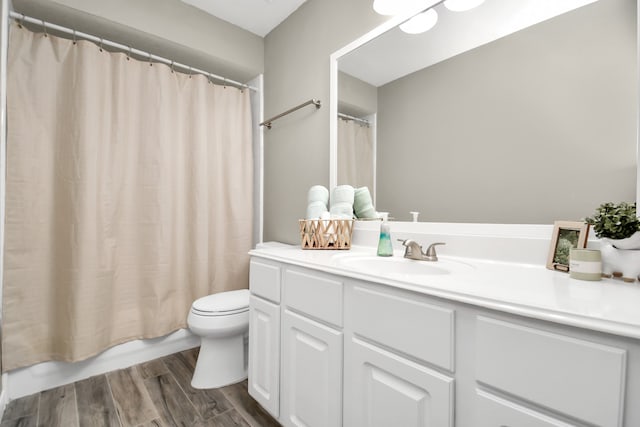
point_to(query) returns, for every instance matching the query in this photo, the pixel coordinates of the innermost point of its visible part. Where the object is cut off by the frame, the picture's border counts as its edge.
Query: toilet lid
(223, 302)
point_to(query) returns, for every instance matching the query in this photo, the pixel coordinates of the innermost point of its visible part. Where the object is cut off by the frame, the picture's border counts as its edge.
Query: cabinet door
(264, 354)
(493, 411)
(311, 373)
(383, 389)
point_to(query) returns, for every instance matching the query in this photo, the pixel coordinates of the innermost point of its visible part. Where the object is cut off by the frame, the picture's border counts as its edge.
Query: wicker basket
(326, 233)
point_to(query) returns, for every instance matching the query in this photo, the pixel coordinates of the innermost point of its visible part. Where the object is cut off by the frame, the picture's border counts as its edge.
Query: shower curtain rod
(355, 119)
(128, 49)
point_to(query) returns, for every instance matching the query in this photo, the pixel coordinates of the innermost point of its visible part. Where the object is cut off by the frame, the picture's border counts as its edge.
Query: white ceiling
(257, 16)
(396, 54)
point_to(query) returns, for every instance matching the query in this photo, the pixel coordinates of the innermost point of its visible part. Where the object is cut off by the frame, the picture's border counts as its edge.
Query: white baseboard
(43, 376)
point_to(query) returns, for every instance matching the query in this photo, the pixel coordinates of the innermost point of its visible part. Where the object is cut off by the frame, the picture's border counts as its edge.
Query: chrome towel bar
(315, 102)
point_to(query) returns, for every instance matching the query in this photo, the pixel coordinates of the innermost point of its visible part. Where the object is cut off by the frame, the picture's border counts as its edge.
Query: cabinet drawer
(493, 411)
(314, 294)
(264, 279)
(579, 378)
(406, 323)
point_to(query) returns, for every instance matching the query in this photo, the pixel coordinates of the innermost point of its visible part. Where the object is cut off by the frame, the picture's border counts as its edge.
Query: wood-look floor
(152, 394)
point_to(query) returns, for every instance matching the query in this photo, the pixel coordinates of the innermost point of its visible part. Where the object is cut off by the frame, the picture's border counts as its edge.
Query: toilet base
(221, 361)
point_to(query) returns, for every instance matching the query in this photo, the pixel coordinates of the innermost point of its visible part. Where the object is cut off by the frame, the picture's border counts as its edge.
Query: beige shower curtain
(355, 154)
(128, 196)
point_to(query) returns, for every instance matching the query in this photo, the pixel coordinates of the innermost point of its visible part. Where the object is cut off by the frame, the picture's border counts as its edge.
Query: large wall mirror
(514, 112)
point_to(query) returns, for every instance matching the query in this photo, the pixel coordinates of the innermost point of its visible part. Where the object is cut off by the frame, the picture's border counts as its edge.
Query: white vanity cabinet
(330, 350)
(578, 379)
(311, 373)
(384, 389)
(264, 334)
(311, 392)
(390, 363)
(296, 344)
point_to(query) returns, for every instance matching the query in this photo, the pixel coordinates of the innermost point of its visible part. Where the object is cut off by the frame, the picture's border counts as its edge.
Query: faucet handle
(430, 253)
(412, 249)
(408, 243)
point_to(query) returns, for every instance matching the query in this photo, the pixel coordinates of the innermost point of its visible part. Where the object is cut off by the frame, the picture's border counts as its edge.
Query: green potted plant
(618, 224)
(618, 228)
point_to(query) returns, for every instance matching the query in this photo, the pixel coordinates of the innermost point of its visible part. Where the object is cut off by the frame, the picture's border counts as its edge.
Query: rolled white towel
(318, 193)
(341, 216)
(316, 210)
(362, 204)
(342, 202)
(342, 194)
(342, 209)
(317, 201)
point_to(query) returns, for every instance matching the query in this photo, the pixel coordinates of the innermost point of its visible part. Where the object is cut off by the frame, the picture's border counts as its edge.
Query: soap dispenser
(384, 244)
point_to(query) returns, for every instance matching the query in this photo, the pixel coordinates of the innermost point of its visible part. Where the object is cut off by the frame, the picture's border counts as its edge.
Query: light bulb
(421, 22)
(395, 7)
(385, 7)
(462, 5)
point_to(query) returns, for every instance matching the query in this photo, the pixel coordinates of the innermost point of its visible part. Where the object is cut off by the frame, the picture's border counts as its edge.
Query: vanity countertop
(609, 305)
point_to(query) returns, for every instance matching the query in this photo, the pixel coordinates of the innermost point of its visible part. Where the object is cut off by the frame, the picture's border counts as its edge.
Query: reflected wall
(531, 128)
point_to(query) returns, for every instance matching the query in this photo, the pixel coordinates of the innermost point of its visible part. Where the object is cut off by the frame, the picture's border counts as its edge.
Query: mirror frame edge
(333, 79)
(392, 23)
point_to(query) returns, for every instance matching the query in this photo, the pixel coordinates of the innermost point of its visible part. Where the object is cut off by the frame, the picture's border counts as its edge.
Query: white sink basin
(399, 266)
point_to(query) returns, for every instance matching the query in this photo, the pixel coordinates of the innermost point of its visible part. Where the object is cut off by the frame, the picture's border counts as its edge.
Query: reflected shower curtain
(355, 154)
(129, 195)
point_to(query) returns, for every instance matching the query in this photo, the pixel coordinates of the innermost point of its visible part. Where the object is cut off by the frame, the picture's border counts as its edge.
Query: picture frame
(566, 235)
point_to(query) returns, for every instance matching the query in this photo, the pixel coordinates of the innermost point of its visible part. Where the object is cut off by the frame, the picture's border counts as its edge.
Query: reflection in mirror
(529, 127)
(356, 133)
(356, 161)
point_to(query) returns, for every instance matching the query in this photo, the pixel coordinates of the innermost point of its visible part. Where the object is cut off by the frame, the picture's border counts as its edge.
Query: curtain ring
(75, 40)
(129, 53)
(150, 57)
(209, 78)
(190, 71)
(224, 83)
(172, 70)
(100, 45)
(21, 21)
(44, 28)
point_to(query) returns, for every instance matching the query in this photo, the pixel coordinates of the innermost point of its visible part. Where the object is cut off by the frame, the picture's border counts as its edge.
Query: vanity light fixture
(420, 23)
(462, 5)
(395, 7)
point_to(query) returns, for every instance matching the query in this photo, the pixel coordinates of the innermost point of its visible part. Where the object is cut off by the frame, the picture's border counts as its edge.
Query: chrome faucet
(414, 250)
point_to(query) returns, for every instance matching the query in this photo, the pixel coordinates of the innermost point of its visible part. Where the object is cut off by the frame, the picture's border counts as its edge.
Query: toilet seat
(222, 304)
(218, 313)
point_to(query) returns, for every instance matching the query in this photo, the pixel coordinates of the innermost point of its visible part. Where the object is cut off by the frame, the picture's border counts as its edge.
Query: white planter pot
(621, 256)
(632, 242)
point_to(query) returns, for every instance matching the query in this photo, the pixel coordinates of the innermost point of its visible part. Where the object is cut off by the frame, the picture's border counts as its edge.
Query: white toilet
(222, 321)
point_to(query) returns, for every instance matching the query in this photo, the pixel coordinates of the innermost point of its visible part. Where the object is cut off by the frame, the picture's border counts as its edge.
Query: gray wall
(168, 28)
(297, 69)
(355, 97)
(457, 147)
